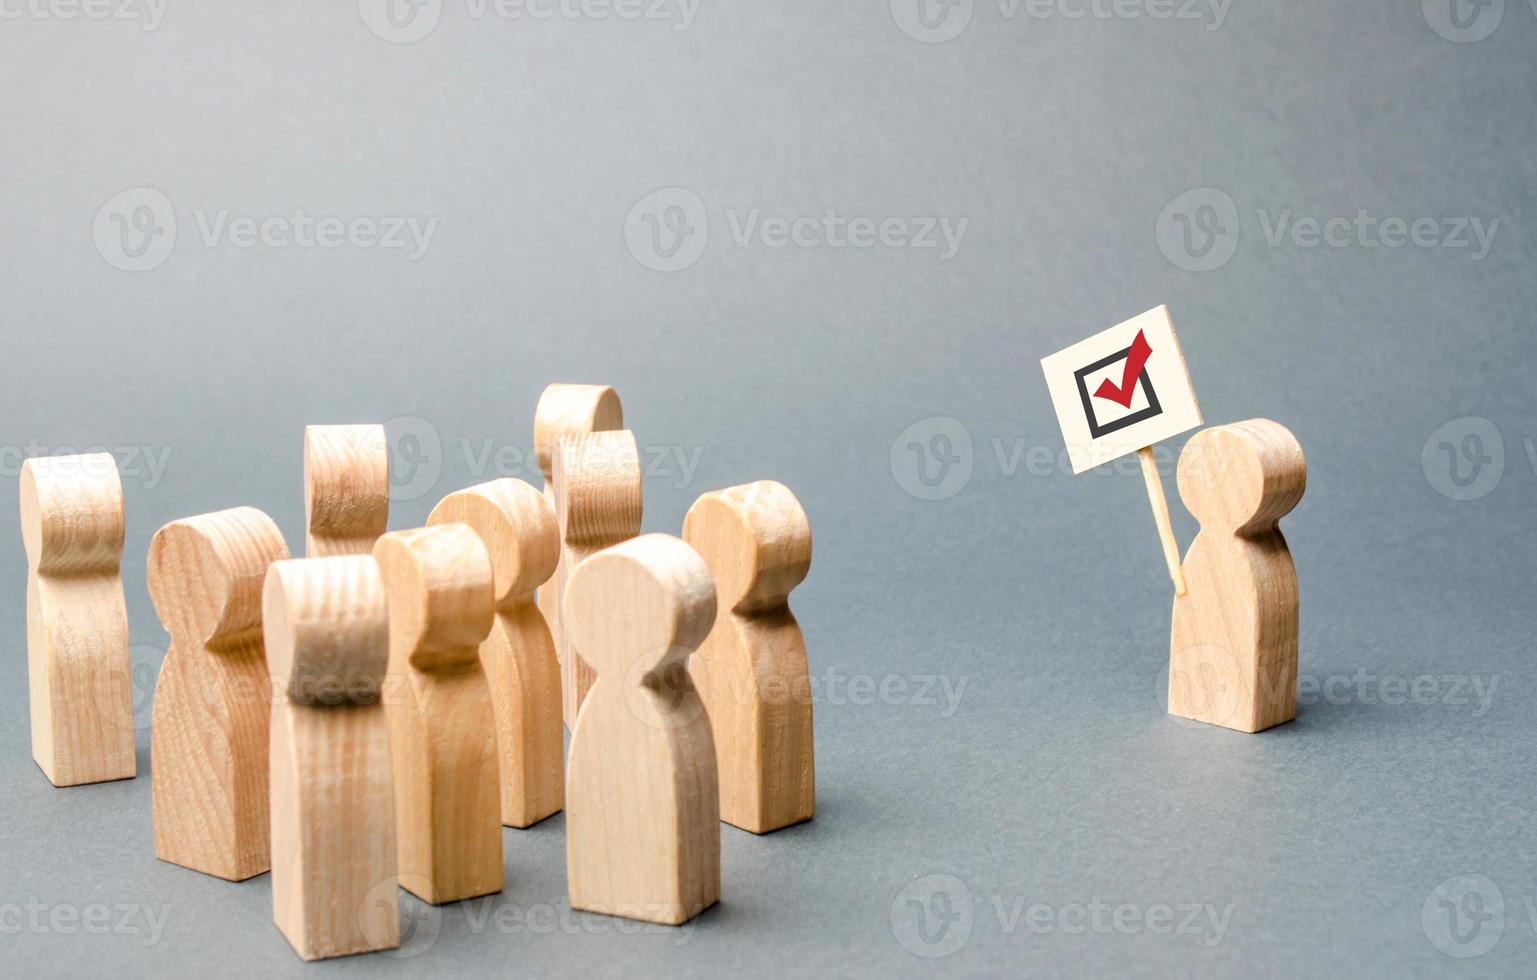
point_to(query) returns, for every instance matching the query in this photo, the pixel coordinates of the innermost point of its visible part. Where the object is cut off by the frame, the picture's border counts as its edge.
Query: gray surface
(1057, 779)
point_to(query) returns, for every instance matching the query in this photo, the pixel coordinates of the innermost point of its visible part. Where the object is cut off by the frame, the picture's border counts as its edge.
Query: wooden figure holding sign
(1233, 648)
(1119, 392)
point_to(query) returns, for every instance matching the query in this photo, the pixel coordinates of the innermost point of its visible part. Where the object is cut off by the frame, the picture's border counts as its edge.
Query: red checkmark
(1136, 360)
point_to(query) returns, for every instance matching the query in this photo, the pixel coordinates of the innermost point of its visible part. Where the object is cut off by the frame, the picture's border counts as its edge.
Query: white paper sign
(1121, 390)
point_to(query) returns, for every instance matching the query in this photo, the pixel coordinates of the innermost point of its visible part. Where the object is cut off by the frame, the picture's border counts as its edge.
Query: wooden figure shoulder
(333, 807)
(642, 801)
(208, 729)
(752, 671)
(78, 666)
(518, 528)
(566, 410)
(442, 724)
(597, 483)
(1233, 650)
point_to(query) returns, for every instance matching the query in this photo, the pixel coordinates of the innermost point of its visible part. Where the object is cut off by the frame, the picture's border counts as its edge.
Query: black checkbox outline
(1152, 410)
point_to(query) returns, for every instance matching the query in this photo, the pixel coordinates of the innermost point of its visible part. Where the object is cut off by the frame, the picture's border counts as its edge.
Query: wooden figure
(642, 801)
(333, 798)
(598, 494)
(751, 671)
(346, 488)
(567, 410)
(1233, 653)
(442, 725)
(79, 673)
(517, 526)
(208, 729)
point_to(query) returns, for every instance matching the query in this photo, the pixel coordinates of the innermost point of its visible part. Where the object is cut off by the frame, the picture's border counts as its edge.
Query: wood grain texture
(208, 728)
(78, 667)
(346, 489)
(567, 410)
(1165, 527)
(598, 504)
(333, 803)
(751, 671)
(518, 528)
(642, 800)
(442, 725)
(1233, 648)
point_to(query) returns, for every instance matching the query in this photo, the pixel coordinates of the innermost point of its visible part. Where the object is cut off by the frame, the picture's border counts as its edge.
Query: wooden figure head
(72, 514)
(346, 488)
(326, 629)
(755, 539)
(439, 584)
(568, 410)
(598, 487)
(206, 573)
(517, 526)
(640, 607)
(1242, 478)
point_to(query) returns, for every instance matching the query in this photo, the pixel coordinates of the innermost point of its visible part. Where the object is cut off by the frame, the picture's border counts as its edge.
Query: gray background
(1056, 780)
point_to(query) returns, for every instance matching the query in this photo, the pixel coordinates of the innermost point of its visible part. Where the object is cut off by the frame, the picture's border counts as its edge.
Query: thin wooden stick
(1161, 517)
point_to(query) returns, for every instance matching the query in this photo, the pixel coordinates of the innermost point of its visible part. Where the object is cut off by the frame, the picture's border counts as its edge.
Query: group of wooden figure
(375, 712)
